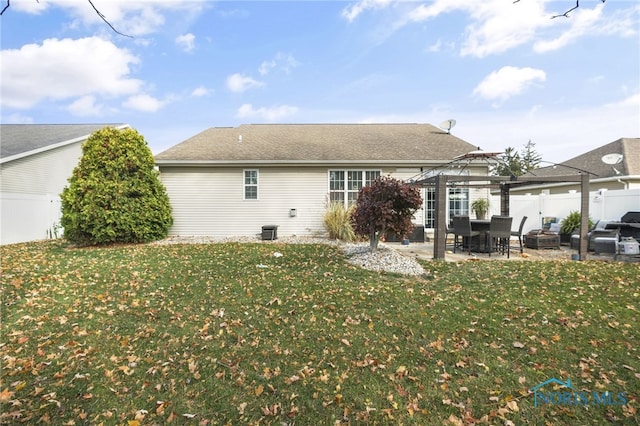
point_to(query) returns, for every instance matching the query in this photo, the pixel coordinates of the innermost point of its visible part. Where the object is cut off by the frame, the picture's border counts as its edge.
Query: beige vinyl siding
(43, 173)
(209, 201)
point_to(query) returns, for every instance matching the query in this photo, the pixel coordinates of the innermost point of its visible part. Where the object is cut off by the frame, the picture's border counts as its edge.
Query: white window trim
(245, 185)
(346, 178)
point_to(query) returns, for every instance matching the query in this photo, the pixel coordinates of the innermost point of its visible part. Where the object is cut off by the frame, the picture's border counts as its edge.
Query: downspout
(624, 184)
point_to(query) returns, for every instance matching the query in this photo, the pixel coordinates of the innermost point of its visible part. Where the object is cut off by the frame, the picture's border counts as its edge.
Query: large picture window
(344, 185)
(250, 184)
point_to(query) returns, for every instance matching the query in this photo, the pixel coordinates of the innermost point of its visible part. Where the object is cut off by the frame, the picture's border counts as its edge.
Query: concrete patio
(425, 251)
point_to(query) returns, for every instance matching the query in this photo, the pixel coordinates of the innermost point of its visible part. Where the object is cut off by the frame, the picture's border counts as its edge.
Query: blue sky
(505, 71)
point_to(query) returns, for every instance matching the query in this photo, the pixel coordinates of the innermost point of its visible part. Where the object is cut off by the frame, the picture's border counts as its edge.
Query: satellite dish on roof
(448, 125)
(612, 159)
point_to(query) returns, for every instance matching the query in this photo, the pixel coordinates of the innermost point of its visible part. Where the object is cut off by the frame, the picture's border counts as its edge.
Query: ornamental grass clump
(337, 222)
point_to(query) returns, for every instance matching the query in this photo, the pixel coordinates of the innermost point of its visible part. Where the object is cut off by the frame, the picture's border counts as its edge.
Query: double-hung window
(344, 185)
(250, 184)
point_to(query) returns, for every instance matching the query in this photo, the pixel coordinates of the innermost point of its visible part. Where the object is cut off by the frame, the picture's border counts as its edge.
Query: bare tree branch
(100, 14)
(566, 14)
(6, 6)
(105, 20)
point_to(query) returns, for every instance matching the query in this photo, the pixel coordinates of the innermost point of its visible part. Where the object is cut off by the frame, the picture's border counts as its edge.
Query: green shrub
(572, 222)
(114, 194)
(337, 222)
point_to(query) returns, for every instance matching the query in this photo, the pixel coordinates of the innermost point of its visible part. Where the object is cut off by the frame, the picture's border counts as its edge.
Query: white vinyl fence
(36, 217)
(28, 217)
(603, 205)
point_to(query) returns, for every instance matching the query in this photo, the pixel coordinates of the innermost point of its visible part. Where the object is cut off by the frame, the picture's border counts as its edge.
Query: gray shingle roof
(592, 161)
(317, 143)
(16, 139)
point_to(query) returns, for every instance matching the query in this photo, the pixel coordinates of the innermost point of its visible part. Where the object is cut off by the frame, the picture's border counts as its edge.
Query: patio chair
(448, 231)
(499, 234)
(518, 233)
(462, 228)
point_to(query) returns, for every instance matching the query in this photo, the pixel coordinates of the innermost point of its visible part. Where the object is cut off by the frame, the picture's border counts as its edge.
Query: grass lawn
(233, 334)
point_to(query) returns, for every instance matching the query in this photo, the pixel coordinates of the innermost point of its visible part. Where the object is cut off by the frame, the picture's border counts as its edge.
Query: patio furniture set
(485, 236)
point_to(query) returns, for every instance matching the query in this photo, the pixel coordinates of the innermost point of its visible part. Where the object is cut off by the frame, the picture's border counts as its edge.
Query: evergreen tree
(114, 194)
(517, 163)
(510, 164)
(530, 158)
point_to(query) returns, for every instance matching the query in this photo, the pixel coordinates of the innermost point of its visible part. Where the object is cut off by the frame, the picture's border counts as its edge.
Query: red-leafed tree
(387, 205)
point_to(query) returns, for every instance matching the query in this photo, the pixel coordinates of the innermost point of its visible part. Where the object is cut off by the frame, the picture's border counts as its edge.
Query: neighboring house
(233, 181)
(35, 162)
(615, 165)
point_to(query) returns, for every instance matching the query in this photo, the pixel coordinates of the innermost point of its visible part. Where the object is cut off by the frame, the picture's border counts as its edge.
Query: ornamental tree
(387, 204)
(114, 194)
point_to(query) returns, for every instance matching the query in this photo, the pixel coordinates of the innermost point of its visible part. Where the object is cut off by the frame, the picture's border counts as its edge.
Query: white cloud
(497, 26)
(592, 22)
(32, 7)
(559, 133)
(351, 13)
(266, 67)
(86, 106)
(63, 69)
(200, 91)
(240, 83)
(144, 103)
(508, 81)
(583, 21)
(132, 17)
(440, 46)
(17, 118)
(282, 61)
(632, 101)
(186, 42)
(274, 113)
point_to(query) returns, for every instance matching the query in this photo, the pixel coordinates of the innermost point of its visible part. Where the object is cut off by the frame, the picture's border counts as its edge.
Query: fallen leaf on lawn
(518, 345)
(454, 420)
